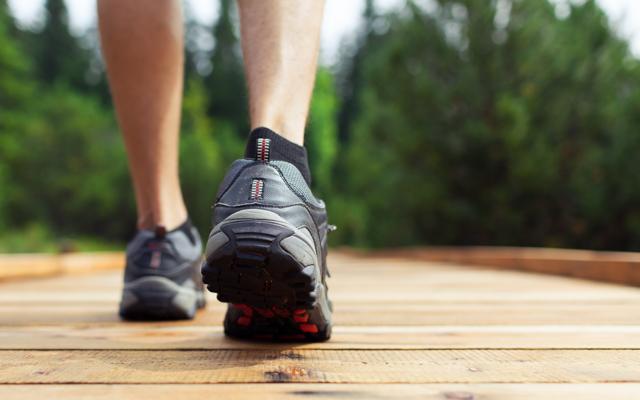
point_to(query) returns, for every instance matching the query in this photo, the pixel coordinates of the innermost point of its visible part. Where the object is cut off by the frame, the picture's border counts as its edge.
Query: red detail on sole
(244, 321)
(299, 311)
(309, 328)
(246, 310)
(301, 318)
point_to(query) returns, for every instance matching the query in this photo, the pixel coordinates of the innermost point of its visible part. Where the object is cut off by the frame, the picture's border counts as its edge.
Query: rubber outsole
(268, 270)
(278, 324)
(155, 298)
(255, 257)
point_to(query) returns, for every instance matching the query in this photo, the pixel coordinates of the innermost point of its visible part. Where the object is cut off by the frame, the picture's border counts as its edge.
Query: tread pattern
(276, 324)
(153, 302)
(252, 268)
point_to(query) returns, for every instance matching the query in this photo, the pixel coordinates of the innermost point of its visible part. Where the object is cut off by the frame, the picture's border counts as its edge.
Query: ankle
(168, 217)
(287, 127)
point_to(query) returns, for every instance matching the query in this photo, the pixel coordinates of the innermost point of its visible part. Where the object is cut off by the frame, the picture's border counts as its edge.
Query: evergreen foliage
(487, 134)
(507, 122)
(226, 84)
(58, 56)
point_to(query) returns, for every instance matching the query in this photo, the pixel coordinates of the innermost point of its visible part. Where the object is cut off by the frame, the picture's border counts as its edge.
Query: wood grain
(184, 337)
(320, 366)
(23, 266)
(482, 314)
(604, 266)
(296, 391)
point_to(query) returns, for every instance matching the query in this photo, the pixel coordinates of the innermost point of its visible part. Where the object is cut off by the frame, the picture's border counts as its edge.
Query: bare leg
(142, 46)
(280, 42)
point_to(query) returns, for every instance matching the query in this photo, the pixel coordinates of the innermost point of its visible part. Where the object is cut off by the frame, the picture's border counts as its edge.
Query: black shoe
(162, 277)
(266, 254)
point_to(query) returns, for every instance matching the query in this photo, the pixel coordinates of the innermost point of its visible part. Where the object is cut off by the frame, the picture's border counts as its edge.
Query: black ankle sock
(279, 149)
(185, 227)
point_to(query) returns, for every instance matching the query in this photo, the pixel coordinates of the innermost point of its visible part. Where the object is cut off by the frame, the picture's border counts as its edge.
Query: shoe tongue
(160, 232)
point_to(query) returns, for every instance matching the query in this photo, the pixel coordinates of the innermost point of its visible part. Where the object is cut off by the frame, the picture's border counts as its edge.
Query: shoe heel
(255, 257)
(158, 298)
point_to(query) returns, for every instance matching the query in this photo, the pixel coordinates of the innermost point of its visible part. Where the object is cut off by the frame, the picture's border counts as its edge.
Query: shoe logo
(156, 254)
(262, 151)
(156, 259)
(257, 189)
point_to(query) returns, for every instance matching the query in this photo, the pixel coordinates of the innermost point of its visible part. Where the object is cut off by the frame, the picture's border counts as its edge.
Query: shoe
(266, 254)
(162, 276)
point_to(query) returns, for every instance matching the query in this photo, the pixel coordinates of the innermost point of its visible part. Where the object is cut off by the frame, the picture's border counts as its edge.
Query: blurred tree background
(487, 122)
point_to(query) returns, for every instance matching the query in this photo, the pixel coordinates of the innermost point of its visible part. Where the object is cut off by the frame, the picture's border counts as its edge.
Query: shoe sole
(280, 325)
(155, 298)
(255, 258)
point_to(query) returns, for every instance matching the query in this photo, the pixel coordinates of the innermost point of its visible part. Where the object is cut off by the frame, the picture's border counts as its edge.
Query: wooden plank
(605, 266)
(21, 266)
(398, 282)
(396, 321)
(184, 337)
(43, 265)
(356, 314)
(616, 267)
(415, 280)
(611, 391)
(392, 297)
(320, 366)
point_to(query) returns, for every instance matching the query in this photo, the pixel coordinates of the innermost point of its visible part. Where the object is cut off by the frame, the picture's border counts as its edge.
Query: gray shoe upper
(173, 255)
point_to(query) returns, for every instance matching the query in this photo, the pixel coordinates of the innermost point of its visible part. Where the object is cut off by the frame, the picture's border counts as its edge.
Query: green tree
(7, 17)
(321, 139)
(70, 172)
(474, 132)
(201, 159)
(350, 70)
(226, 84)
(67, 166)
(15, 93)
(57, 54)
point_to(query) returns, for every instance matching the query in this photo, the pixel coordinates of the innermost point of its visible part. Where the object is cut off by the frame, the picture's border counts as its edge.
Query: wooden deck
(403, 330)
